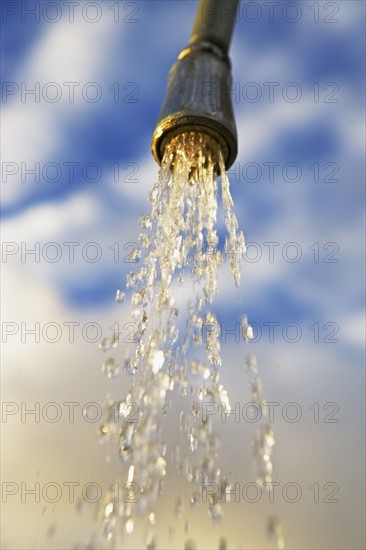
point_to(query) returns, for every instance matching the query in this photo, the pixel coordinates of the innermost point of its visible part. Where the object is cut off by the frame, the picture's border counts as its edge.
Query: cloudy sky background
(136, 52)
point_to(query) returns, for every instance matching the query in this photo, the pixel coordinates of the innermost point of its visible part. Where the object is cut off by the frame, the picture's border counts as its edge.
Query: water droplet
(157, 360)
(108, 510)
(246, 330)
(152, 519)
(144, 240)
(134, 255)
(129, 367)
(125, 453)
(251, 363)
(161, 466)
(137, 297)
(195, 408)
(195, 499)
(110, 368)
(131, 280)
(145, 221)
(275, 532)
(178, 507)
(80, 505)
(216, 511)
(131, 472)
(120, 296)
(195, 367)
(129, 525)
(104, 433)
(110, 342)
(51, 531)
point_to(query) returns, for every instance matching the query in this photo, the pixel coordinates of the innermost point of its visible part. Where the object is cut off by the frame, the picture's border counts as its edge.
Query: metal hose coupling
(198, 99)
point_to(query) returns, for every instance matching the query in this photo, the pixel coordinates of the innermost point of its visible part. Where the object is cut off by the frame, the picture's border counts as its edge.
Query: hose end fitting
(198, 99)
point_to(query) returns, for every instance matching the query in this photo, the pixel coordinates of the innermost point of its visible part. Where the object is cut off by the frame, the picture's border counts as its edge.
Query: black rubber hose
(214, 22)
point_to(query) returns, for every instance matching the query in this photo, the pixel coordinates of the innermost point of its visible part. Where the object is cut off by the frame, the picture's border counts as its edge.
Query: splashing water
(177, 348)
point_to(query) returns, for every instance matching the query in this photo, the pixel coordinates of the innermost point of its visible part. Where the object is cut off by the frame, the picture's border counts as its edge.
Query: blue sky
(319, 59)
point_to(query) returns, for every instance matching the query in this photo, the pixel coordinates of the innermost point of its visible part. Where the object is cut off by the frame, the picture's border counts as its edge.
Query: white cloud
(35, 132)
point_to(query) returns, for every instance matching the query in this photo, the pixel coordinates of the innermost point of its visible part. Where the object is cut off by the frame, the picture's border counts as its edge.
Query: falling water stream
(177, 349)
